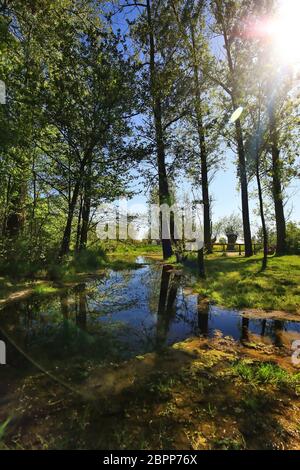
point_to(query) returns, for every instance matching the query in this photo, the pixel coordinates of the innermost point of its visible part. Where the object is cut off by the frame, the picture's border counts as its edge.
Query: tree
(164, 94)
(189, 17)
(70, 99)
(227, 15)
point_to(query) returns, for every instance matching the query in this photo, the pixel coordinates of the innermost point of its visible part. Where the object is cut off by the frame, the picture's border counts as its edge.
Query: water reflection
(245, 329)
(166, 313)
(126, 313)
(203, 316)
(81, 306)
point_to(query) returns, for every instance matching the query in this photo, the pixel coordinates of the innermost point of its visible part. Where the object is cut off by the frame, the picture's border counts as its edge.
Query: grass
(238, 282)
(229, 444)
(265, 373)
(44, 289)
(3, 427)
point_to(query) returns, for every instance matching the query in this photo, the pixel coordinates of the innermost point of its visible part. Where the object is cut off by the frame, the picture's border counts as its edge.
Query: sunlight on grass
(265, 373)
(239, 283)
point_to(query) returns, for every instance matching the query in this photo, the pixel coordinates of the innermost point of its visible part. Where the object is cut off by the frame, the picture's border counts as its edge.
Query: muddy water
(122, 314)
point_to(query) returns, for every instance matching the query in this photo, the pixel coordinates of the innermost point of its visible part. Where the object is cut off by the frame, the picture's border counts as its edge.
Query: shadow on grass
(175, 399)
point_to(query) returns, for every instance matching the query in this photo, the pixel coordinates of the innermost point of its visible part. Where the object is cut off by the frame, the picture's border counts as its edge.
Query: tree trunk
(277, 187)
(79, 224)
(86, 209)
(262, 216)
(65, 244)
(201, 264)
(5, 213)
(203, 151)
(16, 210)
(164, 193)
(239, 139)
(244, 190)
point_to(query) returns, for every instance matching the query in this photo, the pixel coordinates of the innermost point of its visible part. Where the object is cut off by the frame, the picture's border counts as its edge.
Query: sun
(285, 32)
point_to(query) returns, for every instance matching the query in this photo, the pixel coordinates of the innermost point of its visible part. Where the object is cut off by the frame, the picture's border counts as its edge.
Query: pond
(122, 314)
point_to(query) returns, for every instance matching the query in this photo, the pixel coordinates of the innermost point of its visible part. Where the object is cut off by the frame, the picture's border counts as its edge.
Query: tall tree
(189, 17)
(164, 93)
(227, 16)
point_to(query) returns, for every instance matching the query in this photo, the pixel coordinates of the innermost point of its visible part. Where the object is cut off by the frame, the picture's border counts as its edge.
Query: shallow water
(123, 314)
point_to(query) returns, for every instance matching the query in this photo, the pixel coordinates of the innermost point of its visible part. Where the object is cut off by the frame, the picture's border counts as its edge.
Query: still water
(122, 314)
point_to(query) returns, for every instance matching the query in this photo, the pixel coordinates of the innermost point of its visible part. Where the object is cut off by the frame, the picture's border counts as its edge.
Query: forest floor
(199, 394)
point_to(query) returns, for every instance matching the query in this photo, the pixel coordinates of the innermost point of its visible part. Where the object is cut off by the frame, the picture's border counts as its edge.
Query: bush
(293, 238)
(90, 258)
(17, 261)
(60, 271)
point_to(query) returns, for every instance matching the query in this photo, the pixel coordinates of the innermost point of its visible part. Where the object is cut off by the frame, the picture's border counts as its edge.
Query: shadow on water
(123, 314)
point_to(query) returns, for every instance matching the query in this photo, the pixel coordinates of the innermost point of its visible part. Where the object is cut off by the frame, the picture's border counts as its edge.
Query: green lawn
(239, 283)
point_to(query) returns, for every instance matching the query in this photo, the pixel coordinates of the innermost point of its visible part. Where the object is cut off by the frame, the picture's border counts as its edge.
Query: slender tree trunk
(85, 223)
(79, 224)
(201, 264)
(262, 216)
(34, 203)
(164, 193)
(277, 187)
(65, 244)
(244, 190)
(239, 139)
(8, 188)
(203, 151)
(86, 209)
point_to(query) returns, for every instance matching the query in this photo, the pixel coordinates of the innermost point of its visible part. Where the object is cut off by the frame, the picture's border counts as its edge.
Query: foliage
(293, 238)
(231, 224)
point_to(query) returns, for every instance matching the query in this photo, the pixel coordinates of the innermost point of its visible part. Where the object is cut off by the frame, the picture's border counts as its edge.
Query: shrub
(90, 258)
(293, 238)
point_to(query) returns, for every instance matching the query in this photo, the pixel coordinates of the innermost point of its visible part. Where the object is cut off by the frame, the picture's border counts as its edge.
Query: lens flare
(237, 114)
(284, 30)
